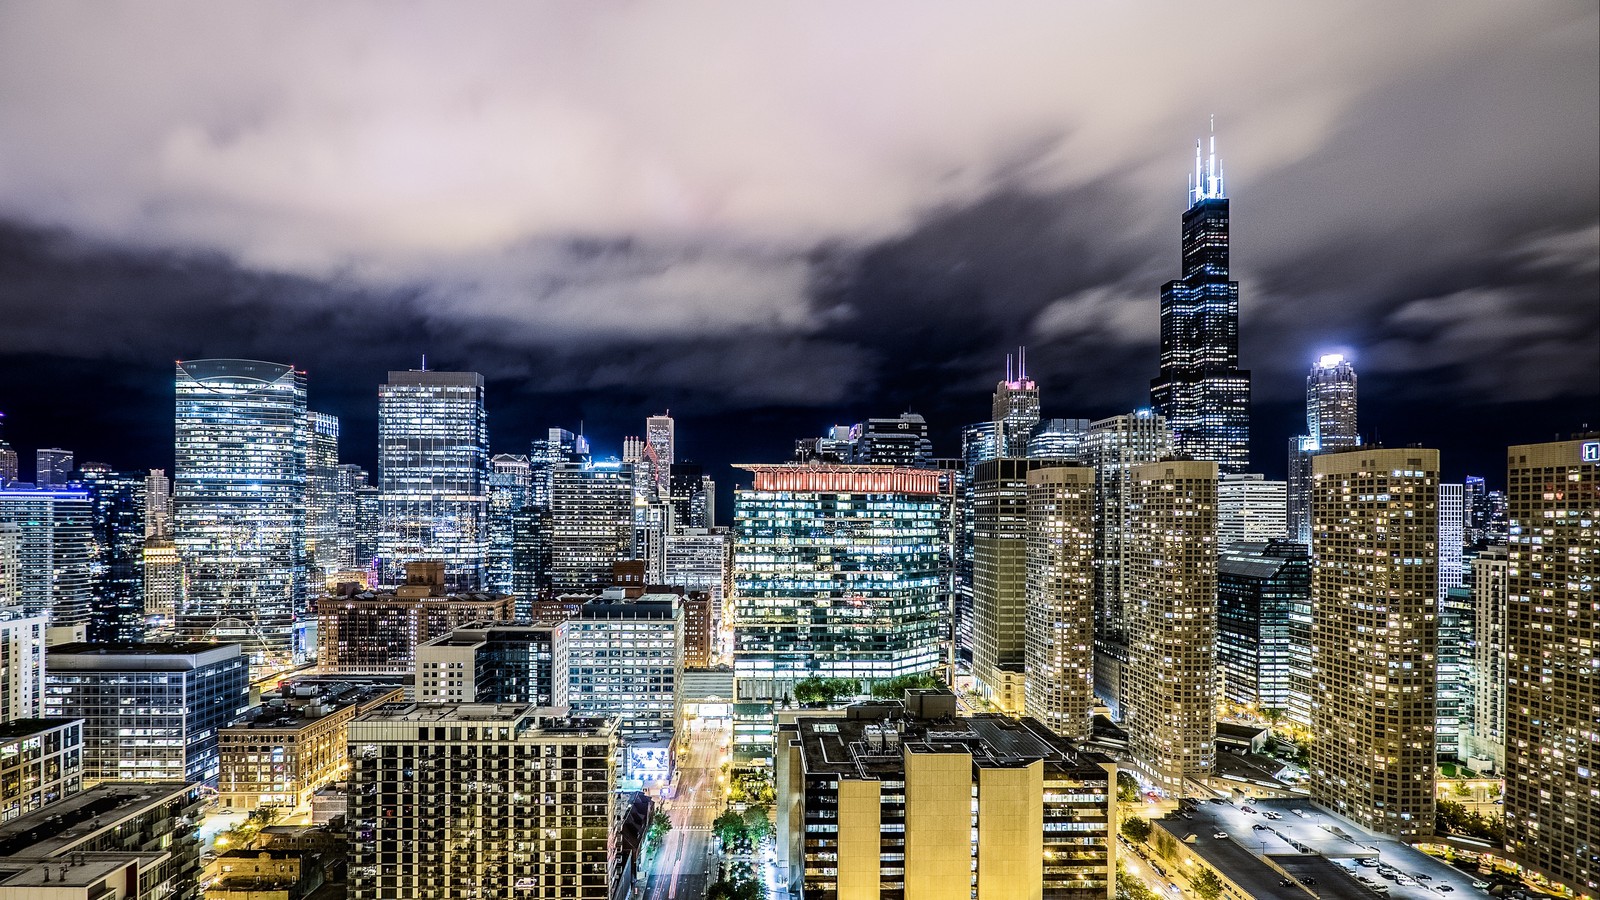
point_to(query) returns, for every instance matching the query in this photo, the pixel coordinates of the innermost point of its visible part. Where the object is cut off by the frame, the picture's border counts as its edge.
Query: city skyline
(1400, 220)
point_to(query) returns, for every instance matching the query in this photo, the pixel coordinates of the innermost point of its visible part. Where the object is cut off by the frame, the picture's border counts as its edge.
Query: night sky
(769, 218)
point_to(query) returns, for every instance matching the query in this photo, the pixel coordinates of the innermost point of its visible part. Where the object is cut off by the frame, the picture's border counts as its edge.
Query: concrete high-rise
(1113, 447)
(836, 575)
(322, 496)
(433, 458)
(8, 457)
(1059, 616)
(1452, 536)
(468, 800)
(22, 641)
(1374, 627)
(52, 467)
(1552, 770)
(915, 801)
(1000, 579)
(1170, 603)
(1330, 425)
(901, 441)
(239, 502)
(1201, 391)
(1483, 733)
(1015, 407)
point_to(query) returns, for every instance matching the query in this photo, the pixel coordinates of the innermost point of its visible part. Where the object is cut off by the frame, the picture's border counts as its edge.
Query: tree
(1136, 829)
(660, 824)
(756, 824)
(1127, 787)
(737, 889)
(1207, 886)
(729, 827)
(825, 690)
(1131, 888)
(895, 688)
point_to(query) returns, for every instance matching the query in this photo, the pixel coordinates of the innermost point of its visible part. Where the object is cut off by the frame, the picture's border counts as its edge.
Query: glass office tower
(433, 450)
(1201, 391)
(239, 502)
(836, 574)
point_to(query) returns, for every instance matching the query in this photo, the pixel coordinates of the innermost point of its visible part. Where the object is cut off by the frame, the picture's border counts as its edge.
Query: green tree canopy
(1136, 829)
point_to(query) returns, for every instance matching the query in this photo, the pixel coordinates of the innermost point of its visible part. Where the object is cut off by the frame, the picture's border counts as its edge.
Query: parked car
(1221, 835)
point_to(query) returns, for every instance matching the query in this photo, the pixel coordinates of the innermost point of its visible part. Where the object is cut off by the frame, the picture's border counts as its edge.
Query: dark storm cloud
(752, 211)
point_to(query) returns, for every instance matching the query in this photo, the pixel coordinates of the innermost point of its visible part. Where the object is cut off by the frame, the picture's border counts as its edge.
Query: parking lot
(1299, 838)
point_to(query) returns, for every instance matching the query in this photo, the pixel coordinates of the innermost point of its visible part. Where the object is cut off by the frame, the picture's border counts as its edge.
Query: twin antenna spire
(1206, 182)
(1017, 364)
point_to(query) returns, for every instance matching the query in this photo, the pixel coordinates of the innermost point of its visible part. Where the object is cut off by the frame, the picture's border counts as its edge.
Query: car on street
(1221, 835)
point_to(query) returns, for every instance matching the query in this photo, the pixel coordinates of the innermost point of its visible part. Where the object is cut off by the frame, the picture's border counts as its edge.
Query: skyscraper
(1059, 614)
(660, 432)
(55, 551)
(157, 505)
(1330, 425)
(22, 640)
(979, 442)
(900, 441)
(1483, 733)
(1113, 447)
(358, 537)
(1000, 579)
(836, 574)
(1264, 626)
(1374, 588)
(1452, 536)
(559, 446)
(1016, 407)
(8, 457)
(1553, 660)
(1250, 508)
(1201, 391)
(322, 495)
(591, 523)
(239, 502)
(52, 467)
(1170, 605)
(117, 572)
(433, 454)
(1058, 439)
(510, 491)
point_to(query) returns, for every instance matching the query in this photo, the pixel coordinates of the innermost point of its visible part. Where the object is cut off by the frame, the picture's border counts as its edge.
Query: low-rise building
(377, 632)
(929, 804)
(117, 841)
(512, 662)
(249, 874)
(41, 762)
(294, 743)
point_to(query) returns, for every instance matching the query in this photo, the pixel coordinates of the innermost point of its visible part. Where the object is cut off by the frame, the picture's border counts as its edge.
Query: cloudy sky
(770, 217)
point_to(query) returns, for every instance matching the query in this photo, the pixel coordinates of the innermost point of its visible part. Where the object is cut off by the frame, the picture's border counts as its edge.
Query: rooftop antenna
(1022, 365)
(1008, 368)
(424, 362)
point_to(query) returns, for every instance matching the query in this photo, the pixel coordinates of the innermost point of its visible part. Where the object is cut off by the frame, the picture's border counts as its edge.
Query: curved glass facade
(239, 502)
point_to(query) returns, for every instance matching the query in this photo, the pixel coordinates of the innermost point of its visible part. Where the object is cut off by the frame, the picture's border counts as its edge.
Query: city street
(683, 867)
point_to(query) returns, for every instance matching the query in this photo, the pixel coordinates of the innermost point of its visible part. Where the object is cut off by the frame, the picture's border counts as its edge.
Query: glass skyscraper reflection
(433, 450)
(1201, 391)
(239, 502)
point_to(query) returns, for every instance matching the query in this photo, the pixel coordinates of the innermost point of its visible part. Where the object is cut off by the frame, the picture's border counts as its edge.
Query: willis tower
(1201, 390)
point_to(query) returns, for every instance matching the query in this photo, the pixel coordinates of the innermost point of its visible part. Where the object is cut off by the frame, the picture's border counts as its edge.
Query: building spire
(1206, 182)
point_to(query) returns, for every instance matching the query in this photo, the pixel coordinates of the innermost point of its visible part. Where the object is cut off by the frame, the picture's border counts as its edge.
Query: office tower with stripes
(433, 454)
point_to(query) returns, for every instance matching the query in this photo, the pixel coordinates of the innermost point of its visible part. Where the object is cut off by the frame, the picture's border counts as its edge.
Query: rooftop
(293, 707)
(22, 727)
(874, 746)
(538, 719)
(91, 869)
(66, 823)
